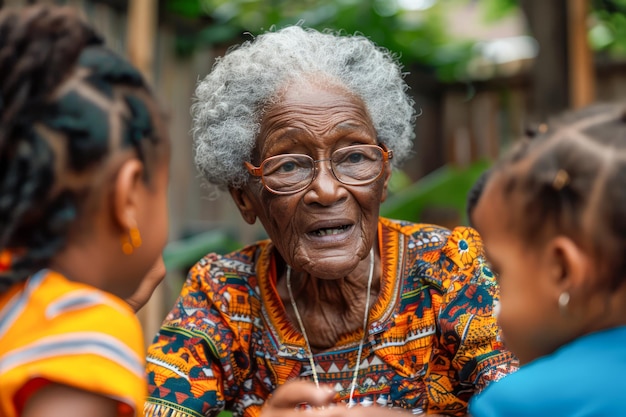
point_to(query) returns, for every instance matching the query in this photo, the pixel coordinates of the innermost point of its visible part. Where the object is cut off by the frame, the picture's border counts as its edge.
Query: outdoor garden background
(480, 71)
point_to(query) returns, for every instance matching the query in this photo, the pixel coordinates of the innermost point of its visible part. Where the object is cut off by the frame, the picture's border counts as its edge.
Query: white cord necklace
(351, 403)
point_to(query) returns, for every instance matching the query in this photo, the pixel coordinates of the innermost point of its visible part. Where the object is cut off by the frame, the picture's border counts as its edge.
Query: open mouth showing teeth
(330, 231)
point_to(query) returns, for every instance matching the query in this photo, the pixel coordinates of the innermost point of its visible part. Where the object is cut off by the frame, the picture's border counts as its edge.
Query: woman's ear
(127, 194)
(387, 174)
(244, 203)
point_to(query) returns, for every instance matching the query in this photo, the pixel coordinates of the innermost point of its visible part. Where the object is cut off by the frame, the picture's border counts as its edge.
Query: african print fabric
(432, 339)
(56, 331)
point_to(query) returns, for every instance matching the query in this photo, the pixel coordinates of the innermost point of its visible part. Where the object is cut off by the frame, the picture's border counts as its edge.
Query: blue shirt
(584, 378)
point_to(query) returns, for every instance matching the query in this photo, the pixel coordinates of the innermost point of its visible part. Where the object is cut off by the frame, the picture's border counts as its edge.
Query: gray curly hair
(229, 101)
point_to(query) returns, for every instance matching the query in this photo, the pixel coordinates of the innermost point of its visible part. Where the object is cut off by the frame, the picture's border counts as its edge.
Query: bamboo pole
(141, 31)
(142, 23)
(581, 65)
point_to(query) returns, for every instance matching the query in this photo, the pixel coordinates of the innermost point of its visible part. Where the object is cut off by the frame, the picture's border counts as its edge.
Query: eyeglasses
(352, 165)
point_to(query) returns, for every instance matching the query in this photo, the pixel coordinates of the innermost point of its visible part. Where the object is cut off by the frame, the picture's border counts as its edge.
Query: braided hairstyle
(571, 180)
(477, 188)
(67, 105)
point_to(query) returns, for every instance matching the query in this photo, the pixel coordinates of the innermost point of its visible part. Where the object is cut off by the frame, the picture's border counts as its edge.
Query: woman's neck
(330, 309)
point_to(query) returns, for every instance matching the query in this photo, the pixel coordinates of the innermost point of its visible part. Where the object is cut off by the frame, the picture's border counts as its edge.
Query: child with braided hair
(84, 161)
(553, 220)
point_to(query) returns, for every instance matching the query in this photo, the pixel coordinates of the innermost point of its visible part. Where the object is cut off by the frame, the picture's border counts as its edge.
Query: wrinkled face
(328, 227)
(529, 315)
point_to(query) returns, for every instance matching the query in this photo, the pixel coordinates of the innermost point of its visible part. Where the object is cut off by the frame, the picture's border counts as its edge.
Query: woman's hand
(287, 400)
(290, 396)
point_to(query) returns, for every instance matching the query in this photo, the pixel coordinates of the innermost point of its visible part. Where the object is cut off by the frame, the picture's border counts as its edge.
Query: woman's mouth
(330, 231)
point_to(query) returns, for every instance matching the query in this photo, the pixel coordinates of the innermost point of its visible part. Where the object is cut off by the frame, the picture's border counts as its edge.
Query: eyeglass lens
(352, 165)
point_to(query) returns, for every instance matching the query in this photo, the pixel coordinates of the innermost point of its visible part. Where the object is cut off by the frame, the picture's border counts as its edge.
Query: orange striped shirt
(63, 332)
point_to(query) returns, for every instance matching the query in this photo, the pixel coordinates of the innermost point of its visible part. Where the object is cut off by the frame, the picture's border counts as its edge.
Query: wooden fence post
(581, 65)
(142, 32)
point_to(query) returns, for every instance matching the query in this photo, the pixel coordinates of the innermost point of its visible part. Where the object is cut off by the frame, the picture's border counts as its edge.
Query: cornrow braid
(66, 105)
(519, 151)
(571, 180)
(38, 48)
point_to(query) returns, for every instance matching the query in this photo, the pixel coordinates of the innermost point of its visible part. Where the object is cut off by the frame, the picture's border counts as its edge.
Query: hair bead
(561, 179)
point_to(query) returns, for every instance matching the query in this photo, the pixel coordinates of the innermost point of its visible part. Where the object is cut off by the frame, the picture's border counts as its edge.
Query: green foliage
(444, 189)
(608, 31)
(181, 254)
(607, 23)
(498, 9)
(418, 36)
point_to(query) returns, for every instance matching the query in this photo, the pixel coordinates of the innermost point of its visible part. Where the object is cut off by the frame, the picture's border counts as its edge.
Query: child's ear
(570, 265)
(127, 196)
(244, 204)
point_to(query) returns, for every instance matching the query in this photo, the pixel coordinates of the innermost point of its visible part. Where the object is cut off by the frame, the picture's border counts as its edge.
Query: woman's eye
(287, 167)
(355, 157)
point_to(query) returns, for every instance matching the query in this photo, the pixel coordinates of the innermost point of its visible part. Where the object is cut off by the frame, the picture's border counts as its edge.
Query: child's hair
(571, 180)
(474, 193)
(67, 105)
(476, 190)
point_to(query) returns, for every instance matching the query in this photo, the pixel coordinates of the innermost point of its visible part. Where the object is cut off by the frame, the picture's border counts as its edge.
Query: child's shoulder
(71, 334)
(50, 306)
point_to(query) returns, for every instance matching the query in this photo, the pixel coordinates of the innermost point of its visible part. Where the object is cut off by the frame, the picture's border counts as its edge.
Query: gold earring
(135, 237)
(132, 241)
(5, 260)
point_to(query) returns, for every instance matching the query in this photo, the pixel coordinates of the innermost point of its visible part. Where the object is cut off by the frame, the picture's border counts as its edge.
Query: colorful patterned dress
(432, 340)
(56, 331)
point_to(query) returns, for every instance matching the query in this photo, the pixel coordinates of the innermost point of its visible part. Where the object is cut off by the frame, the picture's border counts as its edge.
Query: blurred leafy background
(481, 72)
(418, 31)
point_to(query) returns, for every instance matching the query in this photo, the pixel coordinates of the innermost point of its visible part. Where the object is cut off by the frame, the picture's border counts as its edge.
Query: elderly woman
(303, 128)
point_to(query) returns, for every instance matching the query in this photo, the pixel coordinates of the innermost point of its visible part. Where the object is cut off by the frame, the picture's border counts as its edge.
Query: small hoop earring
(6, 258)
(132, 241)
(563, 303)
(135, 237)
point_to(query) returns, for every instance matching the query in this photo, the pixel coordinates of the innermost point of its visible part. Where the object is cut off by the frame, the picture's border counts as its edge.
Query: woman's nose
(325, 189)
